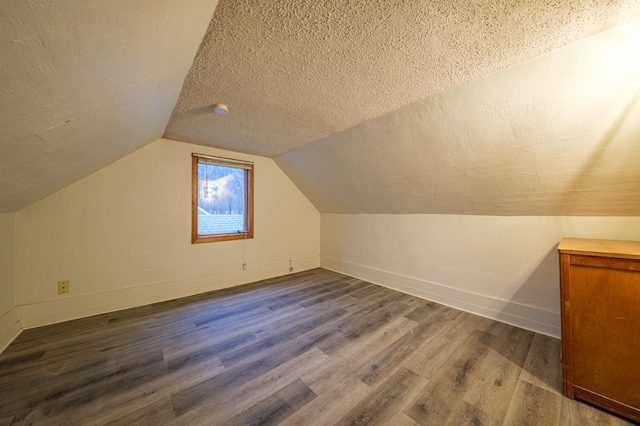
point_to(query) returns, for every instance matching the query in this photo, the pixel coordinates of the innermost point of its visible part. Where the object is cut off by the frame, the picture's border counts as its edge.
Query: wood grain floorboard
(539, 367)
(332, 405)
(275, 408)
(498, 372)
(388, 402)
(350, 358)
(441, 347)
(434, 405)
(156, 413)
(381, 365)
(313, 348)
(241, 398)
(532, 405)
(576, 413)
(333, 381)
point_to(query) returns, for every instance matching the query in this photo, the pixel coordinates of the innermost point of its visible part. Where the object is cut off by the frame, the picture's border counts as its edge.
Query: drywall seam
(10, 328)
(67, 308)
(527, 317)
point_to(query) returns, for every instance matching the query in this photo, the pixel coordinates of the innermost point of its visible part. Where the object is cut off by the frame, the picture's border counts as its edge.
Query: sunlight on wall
(613, 88)
(632, 31)
(618, 61)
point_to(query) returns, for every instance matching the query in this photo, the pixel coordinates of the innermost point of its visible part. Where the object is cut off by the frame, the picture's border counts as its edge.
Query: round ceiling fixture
(221, 109)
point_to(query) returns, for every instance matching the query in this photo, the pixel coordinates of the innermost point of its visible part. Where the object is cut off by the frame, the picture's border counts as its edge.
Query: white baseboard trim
(523, 316)
(10, 328)
(69, 307)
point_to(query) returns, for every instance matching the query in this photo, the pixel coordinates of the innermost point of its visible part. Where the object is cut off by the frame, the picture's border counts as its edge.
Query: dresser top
(601, 248)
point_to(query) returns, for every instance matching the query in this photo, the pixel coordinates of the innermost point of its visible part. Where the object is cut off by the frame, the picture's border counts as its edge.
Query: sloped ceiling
(489, 107)
(559, 135)
(84, 83)
(293, 72)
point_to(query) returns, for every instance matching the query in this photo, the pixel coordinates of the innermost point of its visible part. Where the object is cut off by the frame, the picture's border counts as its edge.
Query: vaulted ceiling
(84, 83)
(497, 107)
(555, 136)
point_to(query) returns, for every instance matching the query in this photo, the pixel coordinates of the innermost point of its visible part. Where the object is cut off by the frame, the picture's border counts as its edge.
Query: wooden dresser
(600, 306)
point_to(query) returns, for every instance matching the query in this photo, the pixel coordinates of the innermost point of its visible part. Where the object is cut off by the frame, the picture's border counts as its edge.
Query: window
(222, 199)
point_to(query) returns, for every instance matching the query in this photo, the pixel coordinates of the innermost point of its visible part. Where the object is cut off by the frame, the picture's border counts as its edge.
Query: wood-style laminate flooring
(313, 348)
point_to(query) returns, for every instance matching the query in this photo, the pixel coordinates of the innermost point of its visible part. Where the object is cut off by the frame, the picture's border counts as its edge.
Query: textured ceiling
(293, 72)
(558, 135)
(83, 83)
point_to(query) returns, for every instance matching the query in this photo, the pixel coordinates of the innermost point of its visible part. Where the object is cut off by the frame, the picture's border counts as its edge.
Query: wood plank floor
(314, 348)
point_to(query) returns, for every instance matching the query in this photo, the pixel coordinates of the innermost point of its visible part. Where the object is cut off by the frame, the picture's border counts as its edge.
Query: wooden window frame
(248, 187)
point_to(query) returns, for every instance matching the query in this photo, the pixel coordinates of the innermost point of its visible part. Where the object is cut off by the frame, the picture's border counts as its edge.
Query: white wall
(9, 324)
(122, 237)
(499, 267)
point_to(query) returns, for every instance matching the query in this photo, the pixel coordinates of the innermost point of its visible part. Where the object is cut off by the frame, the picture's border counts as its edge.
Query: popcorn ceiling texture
(293, 72)
(84, 83)
(556, 136)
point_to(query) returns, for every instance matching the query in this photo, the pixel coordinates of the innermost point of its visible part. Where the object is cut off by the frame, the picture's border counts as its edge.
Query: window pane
(221, 200)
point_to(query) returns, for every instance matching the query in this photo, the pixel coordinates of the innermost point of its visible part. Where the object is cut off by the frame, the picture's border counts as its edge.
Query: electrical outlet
(244, 266)
(63, 287)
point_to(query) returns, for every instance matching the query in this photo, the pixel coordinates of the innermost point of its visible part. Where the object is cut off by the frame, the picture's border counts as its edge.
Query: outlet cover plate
(63, 287)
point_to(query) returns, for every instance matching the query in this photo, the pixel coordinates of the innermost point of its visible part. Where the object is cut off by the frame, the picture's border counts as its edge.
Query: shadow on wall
(537, 300)
(544, 282)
